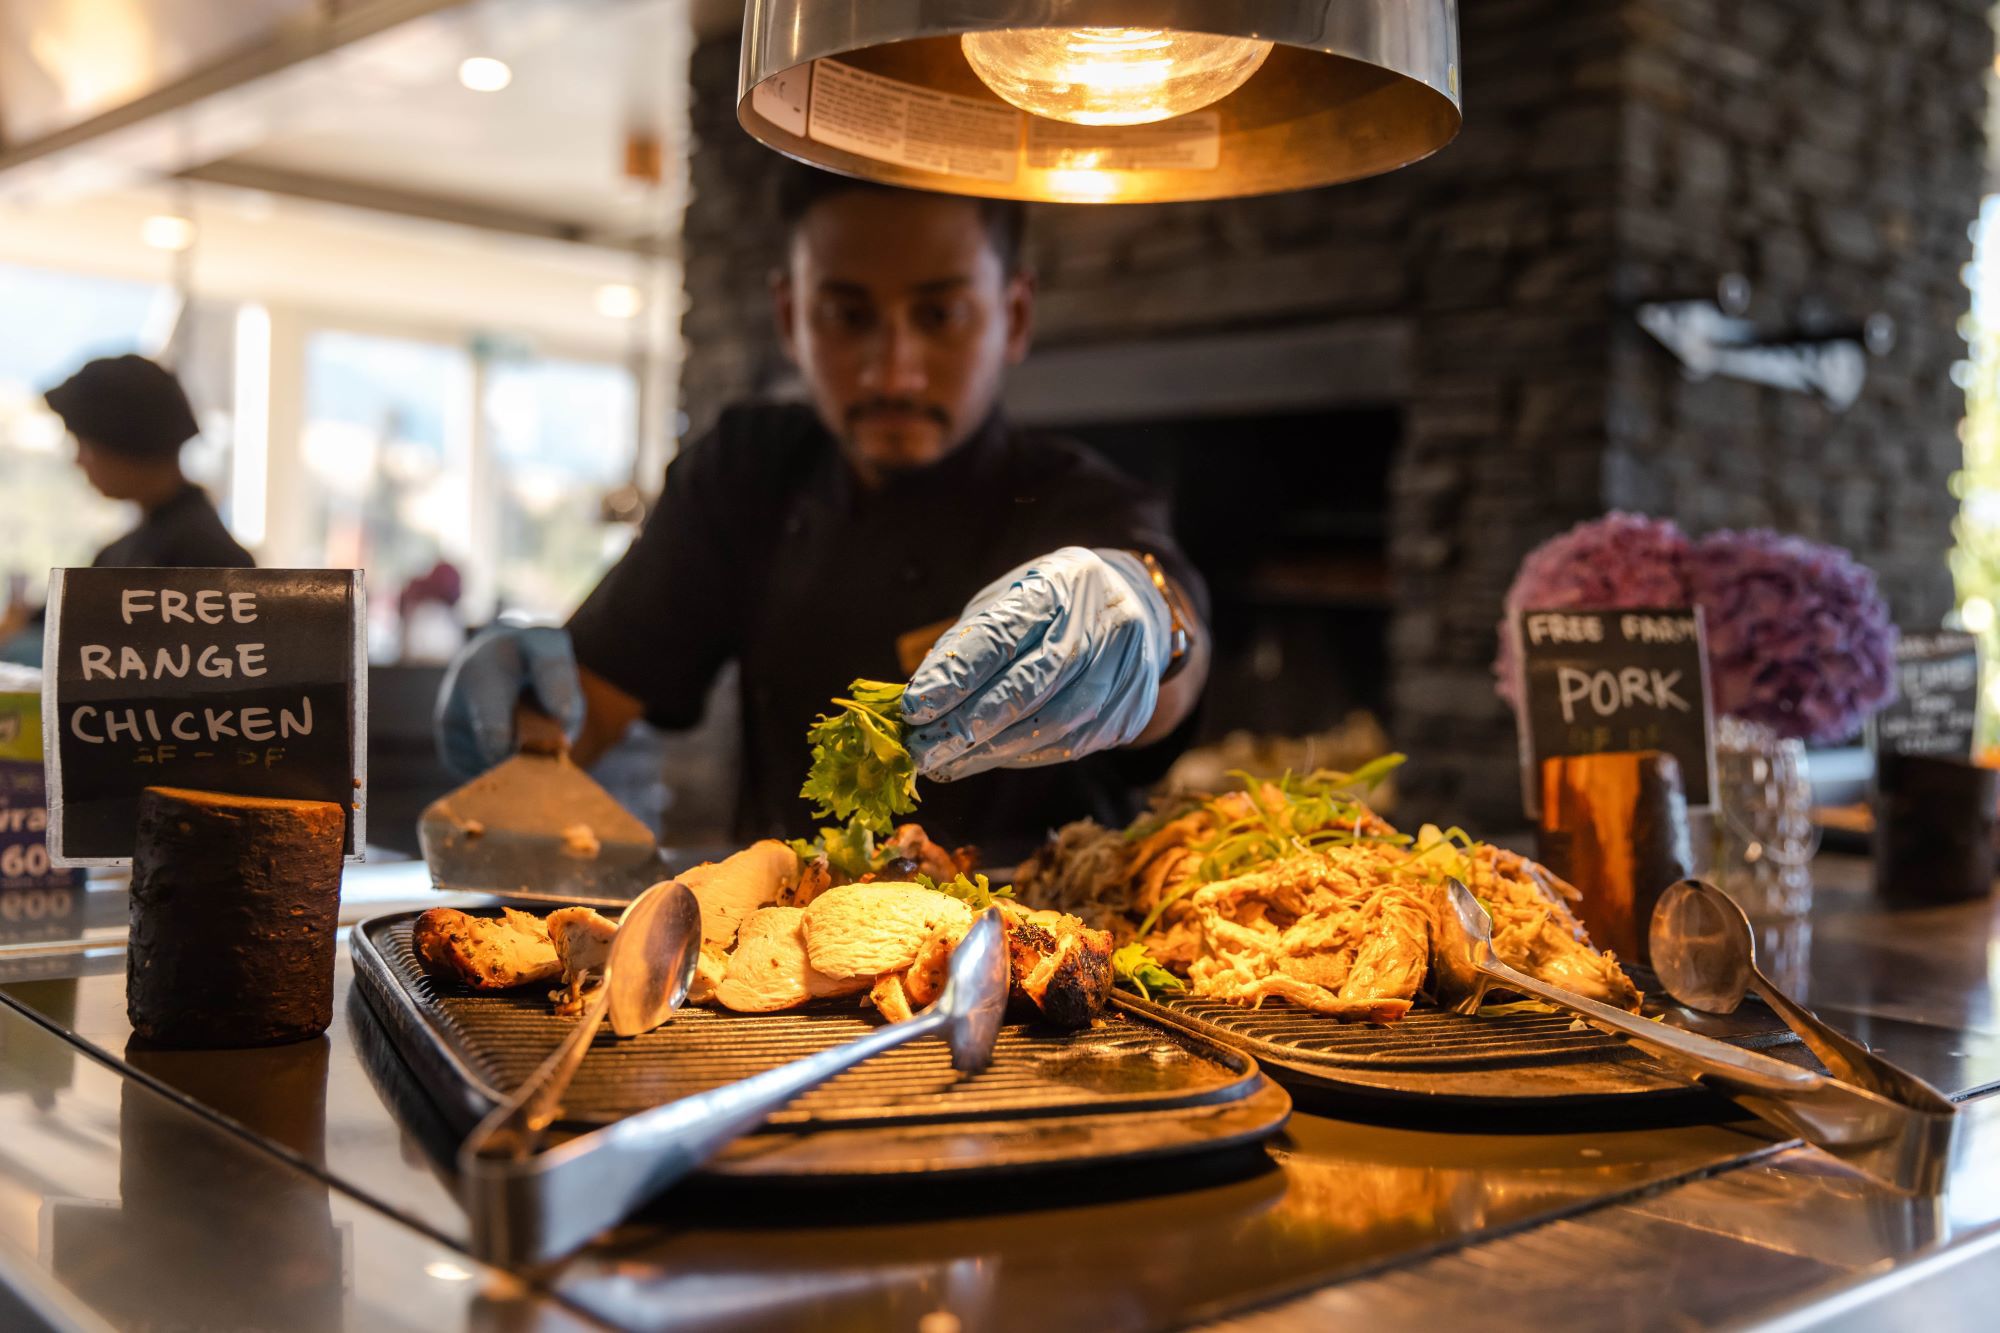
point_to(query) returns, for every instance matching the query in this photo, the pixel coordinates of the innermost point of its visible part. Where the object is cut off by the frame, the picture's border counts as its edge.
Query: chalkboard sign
(246, 681)
(1936, 711)
(1595, 682)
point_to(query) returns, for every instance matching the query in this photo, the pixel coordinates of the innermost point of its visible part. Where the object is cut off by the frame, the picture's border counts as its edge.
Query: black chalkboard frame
(1933, 646)
(350, 584)
(1700, 799)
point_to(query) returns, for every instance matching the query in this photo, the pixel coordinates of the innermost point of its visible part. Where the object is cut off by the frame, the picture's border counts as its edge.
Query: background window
(55, 322)
(562, 434)
(454, 515)
(387, 452)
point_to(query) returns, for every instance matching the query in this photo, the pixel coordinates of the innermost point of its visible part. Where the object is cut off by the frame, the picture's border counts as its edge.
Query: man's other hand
(502, 667)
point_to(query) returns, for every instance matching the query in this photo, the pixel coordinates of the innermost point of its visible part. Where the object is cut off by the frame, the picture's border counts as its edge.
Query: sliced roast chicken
(1060, 966)
(730, 891)
(770, 970)
(762, 954)
(903, 935)
(864, 930)
(486, 953)
(582, 939)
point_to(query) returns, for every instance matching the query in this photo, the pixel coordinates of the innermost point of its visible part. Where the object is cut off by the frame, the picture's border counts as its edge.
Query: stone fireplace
(1453, 348)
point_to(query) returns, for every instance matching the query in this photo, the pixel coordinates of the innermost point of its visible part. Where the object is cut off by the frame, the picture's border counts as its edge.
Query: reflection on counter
(41, 1069)
(1933, 965)
(276, 1092)
(272, 1230)
(1342, 1196)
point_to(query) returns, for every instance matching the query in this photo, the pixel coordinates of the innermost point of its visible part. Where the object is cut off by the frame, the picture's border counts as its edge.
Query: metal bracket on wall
(1712, 337)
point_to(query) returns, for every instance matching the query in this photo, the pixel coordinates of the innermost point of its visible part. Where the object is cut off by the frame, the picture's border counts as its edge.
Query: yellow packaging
(36, 902)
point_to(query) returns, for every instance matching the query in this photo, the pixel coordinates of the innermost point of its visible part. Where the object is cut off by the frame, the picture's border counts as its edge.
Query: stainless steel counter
(303, 1188)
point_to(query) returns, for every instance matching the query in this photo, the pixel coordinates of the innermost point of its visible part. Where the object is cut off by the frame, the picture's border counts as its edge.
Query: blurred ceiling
(365, 108)
(389, 120)
(290, 124)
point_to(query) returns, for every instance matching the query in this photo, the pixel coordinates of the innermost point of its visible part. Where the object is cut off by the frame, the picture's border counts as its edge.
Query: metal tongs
(1898, 1130)
(529, 1208)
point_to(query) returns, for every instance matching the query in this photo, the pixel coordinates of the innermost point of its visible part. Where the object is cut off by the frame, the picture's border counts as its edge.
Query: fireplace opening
(1286, 515)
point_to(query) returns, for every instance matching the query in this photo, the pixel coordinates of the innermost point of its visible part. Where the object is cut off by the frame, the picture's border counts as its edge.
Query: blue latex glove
(475, 712)
(1057, 659)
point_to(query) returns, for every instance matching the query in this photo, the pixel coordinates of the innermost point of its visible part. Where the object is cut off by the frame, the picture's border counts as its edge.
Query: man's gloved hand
(1056, 660)
(475, 712)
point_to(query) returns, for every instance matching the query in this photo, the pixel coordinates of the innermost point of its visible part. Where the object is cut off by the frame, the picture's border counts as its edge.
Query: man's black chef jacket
(183, 533)
(765, 548)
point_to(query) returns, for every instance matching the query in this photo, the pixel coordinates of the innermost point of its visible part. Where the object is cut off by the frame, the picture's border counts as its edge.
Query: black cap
(125, 404)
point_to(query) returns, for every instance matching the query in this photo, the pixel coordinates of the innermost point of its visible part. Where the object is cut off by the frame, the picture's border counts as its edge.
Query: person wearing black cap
(130, 419)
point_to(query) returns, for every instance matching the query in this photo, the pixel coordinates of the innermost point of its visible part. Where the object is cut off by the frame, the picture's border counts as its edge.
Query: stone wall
(1833, 152)
(1613, 152)
(731, 241)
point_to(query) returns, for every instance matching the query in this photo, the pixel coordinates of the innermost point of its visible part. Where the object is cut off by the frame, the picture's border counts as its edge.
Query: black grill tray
(1518, 1060)
(1127, 1087)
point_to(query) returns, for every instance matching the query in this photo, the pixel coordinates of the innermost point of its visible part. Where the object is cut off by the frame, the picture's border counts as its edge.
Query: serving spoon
(1706, 956)
(1905, 1143)
(647, 971)
(531, 1209)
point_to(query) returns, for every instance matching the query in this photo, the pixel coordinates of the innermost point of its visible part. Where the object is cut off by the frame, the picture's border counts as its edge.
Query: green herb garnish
(1296, 813)
(1288, 815)
(1438, 855)
(1133, 966)
(850, 850)
(861, 772)
(1512, 1007)
(975, 892)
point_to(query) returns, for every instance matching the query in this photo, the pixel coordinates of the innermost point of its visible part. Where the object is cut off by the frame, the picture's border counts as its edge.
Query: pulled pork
(1335, 917)
(1323, 931)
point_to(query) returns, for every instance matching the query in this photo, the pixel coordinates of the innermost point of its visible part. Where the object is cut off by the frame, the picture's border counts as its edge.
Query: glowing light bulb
(1112, 76)
(1082, 185)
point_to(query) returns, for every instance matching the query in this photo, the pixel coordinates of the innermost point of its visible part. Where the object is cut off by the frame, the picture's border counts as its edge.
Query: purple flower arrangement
(1799, 638)
(1615, 562)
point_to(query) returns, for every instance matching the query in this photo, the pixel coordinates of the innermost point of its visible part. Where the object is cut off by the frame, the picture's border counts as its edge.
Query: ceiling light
(619, 300)
(1112, 76)
(1124, 101)
(167, 231)
(484, 74)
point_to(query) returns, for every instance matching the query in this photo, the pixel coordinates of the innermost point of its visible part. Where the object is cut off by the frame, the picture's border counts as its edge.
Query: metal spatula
(536, 826)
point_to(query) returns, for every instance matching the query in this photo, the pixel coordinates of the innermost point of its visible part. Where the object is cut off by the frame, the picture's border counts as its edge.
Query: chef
(894, 527)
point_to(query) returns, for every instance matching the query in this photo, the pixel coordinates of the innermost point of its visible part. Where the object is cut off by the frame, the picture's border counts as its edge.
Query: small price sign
(1936, 711)
(1601, 681)
(246, 681)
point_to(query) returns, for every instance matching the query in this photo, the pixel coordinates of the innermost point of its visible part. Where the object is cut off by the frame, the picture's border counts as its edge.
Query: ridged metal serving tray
(1517, 1060)
(1126, 1088)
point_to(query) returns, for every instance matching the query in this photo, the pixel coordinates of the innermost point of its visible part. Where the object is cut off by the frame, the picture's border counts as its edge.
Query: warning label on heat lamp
(1186, 143)
(900, 123)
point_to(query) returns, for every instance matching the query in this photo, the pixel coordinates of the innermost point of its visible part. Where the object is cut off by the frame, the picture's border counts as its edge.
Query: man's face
(898, 311)
(109, 473)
